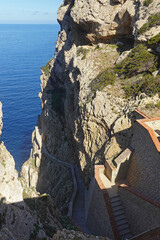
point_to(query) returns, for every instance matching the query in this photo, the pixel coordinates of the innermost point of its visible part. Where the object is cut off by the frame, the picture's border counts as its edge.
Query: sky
(29, 11)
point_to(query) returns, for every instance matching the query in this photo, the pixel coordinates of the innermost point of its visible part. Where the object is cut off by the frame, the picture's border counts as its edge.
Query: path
(78, 208)
(79, 203)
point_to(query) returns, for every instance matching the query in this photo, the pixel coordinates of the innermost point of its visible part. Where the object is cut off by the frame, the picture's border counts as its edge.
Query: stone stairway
(121, 221)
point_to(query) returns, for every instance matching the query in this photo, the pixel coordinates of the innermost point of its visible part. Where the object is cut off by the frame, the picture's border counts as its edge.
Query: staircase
(121, 221)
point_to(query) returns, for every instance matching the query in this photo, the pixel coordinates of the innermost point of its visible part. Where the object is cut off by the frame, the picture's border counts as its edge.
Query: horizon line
(29, 23)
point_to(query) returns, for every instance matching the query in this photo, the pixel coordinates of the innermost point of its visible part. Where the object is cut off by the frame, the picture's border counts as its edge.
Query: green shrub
(67, 223)
(153, 21)
(144, 28)
(34, 234)
(138, 61)
(132, 89)
(148, 84)
(46, 69)
(154, 40)
(82, 51)
(158, 105)
(147, 2)
(103, 79)
(150, 105)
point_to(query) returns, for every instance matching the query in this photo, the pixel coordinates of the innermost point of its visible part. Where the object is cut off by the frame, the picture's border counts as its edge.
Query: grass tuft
(153, 21)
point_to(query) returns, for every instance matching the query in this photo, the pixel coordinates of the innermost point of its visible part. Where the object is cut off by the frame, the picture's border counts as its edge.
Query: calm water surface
(23, 50)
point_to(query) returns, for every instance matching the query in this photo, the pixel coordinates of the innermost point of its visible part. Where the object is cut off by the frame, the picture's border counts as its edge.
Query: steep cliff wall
(99, 75)
(85, 120)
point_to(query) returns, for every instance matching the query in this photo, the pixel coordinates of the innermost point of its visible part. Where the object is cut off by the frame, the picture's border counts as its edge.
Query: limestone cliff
(83, 120)
(106, 64)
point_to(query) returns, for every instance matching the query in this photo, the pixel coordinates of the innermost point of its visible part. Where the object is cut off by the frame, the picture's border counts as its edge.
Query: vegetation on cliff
(134, 73)
(147, 84)
(46, 69)
(147, 2)
(138, 61)
(103, 79)
(154, 41)
(153, 21)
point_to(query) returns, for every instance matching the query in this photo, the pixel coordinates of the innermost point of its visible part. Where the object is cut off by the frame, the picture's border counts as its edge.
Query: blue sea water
(24, 49)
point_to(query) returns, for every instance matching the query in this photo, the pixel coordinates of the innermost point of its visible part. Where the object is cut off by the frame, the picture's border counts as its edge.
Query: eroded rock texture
(79, 125)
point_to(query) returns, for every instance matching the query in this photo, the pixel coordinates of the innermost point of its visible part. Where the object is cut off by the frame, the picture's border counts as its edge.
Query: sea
(24, 49)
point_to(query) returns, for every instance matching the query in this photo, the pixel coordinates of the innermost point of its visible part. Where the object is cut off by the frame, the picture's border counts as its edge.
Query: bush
(153, 21)
(133, 89)
(67, 223)
(46, 69)
(82, 51)
(103, 79)
(138, 61)
(148, 85)
(150, 105)
(147, 2)
(158, 105)
(154, 40)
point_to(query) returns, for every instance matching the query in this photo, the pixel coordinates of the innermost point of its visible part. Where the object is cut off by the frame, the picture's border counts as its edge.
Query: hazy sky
(29, 11)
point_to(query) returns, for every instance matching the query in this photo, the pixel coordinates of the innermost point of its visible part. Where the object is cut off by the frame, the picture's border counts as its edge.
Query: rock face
(69, 235)
(10, 187)
(79, 125)
(23, 217)
(144, 12)
(101, 20)
(84, 121)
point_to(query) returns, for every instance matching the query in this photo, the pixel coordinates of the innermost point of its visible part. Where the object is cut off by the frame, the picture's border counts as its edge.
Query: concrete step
(120, 217)
(119, 212)
(127, 236)
(121, 221)
(115, 209)
(123, 227)
(123, 232)
(117, 203)
(114, 199)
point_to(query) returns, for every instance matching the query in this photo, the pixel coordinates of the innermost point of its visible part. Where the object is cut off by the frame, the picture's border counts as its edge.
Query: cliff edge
(106, 64)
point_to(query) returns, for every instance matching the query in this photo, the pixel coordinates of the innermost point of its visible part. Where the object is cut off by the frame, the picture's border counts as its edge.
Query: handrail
(70, 205)
(140, 195)
(150, 234)
(151, 132)
(141, 114)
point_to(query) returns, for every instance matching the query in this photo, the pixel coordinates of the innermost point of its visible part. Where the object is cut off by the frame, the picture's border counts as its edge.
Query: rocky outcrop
(10, 187)
(144, 12)
(70, 234)
(5, 234)
(79, 124)
(104, 20)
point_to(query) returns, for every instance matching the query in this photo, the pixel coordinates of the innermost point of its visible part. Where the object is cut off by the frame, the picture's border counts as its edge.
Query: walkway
(79, 203)
(78, 211)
